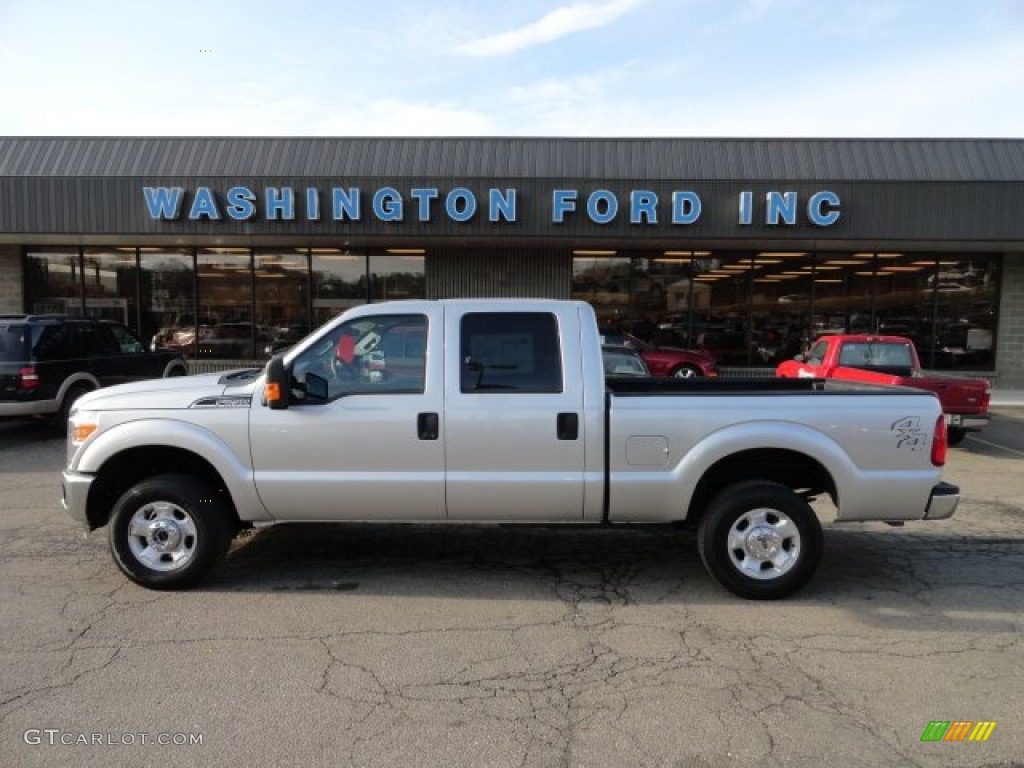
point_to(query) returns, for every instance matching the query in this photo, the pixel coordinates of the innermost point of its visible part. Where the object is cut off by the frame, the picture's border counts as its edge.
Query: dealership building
(745, 247)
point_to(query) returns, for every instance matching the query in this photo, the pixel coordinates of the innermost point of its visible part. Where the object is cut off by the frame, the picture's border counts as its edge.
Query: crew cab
(893, 360)
(503, 414)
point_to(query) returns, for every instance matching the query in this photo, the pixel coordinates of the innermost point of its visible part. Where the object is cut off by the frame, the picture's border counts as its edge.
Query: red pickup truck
(893, 360)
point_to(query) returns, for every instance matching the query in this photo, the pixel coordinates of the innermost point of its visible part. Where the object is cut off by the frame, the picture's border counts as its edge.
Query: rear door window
(510, 352)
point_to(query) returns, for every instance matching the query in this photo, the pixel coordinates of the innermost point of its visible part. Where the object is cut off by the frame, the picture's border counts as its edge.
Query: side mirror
(799, 358)
(276, 387)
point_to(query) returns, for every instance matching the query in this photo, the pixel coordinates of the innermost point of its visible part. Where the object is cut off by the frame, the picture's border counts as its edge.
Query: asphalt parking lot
(426, 646)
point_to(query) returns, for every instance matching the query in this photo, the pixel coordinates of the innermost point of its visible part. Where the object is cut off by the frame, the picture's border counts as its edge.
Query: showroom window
(339, 282)
(167, 282)
(110, 277)
(757, 308)
(282, 297)
(398, 274)
(53, 281)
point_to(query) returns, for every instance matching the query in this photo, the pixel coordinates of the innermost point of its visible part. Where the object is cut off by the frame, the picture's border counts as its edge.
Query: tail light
(28, 378)
(940, 442)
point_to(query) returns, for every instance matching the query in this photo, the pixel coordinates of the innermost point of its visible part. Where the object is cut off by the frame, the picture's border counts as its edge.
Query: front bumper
(943, 502)
(75, 496)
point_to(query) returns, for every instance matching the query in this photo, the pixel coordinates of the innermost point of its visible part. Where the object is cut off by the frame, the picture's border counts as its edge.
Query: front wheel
(760, 540)
(167, 532)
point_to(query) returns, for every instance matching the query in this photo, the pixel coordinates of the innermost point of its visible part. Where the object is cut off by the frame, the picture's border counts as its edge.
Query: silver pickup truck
(494, 411)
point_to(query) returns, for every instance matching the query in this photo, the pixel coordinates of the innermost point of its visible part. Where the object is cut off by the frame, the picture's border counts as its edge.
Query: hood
(170, 394)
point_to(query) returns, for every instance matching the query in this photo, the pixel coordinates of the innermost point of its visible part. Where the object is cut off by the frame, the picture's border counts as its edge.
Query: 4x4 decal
(909, 433)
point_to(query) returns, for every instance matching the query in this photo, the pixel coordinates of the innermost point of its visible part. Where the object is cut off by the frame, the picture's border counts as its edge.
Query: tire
(955, 435)
(177, 370)
(686, 372)
(760, 540)
(167, 532)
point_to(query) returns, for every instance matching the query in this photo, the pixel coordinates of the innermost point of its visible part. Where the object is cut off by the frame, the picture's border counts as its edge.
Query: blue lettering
(468, 204)
(780, 205)
(240, 203)
(424, 196)
(599, 199)
(204, 205)
(563, 201)
(163, 203)
(502, 206)
(643, 205)
(345, 204)
(280, 204)
(312, 204)
(686, 207)
(746, 208)
(387, 204)
(816, 208)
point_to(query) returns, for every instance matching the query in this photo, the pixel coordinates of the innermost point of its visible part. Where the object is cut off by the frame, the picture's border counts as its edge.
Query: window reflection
(339, 282)
(397, 277)
(111, 284)
(759, 308)
(53, 281)
(167, 284)
(225, 322)
(604, 282)
(282, 298)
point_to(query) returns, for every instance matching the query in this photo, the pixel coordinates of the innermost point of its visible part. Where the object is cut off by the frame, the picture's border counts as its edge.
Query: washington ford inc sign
(426, 204)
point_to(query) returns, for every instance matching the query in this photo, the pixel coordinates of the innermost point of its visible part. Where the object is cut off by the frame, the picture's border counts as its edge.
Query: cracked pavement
(481, 646)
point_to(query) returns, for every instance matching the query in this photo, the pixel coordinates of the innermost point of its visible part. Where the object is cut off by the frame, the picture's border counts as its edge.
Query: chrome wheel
(686, 372)
(162, 536)
(763, 544)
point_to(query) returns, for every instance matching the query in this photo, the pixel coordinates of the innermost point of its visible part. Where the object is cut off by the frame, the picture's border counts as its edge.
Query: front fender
(231, 462)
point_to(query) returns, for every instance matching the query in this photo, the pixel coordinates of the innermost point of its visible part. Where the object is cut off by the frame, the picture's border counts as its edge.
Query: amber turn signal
(82, 432)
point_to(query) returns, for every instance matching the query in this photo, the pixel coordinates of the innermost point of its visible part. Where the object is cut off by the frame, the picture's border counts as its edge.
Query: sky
(657, 68)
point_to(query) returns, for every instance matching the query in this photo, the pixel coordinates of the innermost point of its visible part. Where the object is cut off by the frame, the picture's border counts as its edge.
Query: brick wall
(1010, 344)
(10, 279)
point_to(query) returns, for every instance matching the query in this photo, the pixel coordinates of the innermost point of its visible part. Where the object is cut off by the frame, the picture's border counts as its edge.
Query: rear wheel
(760, 540)
(955, 435)
(168, 531)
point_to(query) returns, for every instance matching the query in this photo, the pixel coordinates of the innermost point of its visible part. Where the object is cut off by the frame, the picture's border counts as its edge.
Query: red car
(665, 361)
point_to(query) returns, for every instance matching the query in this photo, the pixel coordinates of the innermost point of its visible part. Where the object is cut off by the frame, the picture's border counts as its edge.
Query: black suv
(48, 361)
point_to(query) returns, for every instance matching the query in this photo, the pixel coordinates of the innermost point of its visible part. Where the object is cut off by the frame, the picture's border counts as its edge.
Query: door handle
(427, 426)
(568, 426)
